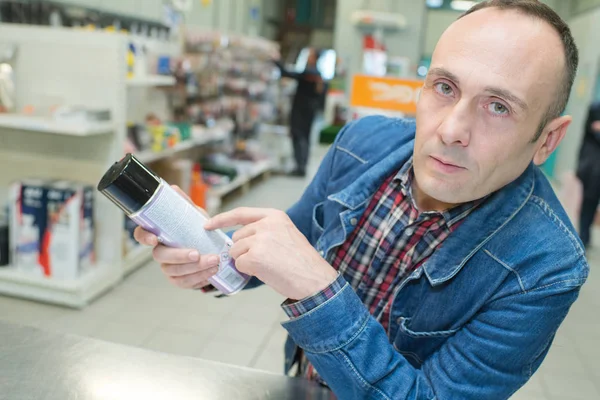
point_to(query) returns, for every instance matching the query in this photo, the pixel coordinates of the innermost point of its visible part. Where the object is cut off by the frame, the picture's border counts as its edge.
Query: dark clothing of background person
(588, 172)
(307, 101)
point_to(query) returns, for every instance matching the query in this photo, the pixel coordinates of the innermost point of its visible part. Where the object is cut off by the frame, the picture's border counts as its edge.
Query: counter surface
(39, 365)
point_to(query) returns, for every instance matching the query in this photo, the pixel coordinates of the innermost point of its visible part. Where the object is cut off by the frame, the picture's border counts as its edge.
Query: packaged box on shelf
(4, 249)
(52, 228)
(28, 220)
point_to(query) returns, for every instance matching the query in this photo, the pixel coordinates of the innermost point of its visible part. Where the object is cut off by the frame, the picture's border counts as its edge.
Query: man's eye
(443, 89)
(498, 108)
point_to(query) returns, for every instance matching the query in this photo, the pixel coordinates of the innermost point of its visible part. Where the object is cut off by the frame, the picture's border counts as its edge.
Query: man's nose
(456, 126)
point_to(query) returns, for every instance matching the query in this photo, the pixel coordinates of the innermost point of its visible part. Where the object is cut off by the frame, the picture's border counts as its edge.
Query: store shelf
(47, 125)
(136, 259)
(151, 80)
(72, 293)
(260, 168)
(207, 136)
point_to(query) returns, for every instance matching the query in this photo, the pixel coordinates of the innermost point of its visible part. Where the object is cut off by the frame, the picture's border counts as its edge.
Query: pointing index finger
(239, 216)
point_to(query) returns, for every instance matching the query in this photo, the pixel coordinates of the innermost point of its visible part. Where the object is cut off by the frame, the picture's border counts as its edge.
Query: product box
(52, 228)
(28, 222)
(87, 253)
(69, 238)
(60, 241)
(4, 250)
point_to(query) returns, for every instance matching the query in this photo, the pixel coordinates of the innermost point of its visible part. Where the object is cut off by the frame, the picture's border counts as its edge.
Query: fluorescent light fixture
(462, 5)
(435, 3)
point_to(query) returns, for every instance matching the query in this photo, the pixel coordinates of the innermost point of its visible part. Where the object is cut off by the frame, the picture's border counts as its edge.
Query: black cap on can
(129, 184)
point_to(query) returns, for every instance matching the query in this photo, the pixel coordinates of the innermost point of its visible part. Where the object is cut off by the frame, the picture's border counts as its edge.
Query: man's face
(493, 76)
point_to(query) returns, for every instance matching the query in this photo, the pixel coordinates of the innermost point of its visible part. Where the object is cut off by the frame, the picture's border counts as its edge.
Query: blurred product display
(191, 111)
(52, 228)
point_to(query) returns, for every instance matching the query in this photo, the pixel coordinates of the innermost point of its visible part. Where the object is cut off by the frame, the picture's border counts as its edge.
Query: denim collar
(475, 230)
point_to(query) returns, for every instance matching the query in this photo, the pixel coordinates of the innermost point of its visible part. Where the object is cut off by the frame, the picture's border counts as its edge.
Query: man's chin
(443, 191)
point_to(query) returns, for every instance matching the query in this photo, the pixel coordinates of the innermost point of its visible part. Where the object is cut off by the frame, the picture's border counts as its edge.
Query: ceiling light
(462, 5)
(435, 3)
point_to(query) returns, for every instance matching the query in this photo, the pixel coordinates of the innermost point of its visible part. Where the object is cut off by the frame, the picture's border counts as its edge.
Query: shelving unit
(216, 194)
(200, 137)
(151, 80)
(61, 66)
(136, 258)
(73, 293)
(47, 125)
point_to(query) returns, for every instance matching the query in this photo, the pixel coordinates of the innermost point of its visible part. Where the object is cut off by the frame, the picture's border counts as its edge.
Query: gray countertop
(39, 365)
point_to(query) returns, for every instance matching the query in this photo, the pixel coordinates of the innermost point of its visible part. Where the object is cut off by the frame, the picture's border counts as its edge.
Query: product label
(178, 223)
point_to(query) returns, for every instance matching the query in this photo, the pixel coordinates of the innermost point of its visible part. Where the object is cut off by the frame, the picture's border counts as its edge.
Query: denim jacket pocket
(317, 221)
(417, 346)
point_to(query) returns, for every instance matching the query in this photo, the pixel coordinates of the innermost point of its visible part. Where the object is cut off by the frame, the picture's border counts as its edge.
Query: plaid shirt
(391, 240)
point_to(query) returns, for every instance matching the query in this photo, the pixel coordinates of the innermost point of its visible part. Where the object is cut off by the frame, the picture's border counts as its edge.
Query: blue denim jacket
(475, 321)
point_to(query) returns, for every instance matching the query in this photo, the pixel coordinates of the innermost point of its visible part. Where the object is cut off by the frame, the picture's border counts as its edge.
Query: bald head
(507, 49)
(541, 12)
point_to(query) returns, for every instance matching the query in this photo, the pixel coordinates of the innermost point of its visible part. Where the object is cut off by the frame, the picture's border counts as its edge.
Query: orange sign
(385, 93)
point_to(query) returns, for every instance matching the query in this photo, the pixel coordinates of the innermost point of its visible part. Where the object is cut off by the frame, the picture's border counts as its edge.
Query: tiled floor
(244, 329)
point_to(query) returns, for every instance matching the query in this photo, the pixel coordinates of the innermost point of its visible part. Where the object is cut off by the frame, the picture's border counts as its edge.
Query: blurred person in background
(588, 172)
(308, 100)
(429, 259)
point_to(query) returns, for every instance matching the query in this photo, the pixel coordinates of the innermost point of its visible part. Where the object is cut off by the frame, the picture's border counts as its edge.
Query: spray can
(151, 202)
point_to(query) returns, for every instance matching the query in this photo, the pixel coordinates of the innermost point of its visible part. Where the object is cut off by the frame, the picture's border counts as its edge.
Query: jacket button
(353, 221)
(322, 253)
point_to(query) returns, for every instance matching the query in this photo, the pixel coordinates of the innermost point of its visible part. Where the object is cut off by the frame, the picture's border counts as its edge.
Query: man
(306, 103)
(437, 265)
(588, 172)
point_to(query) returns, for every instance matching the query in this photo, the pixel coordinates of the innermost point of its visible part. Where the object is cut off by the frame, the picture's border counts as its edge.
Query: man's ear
(554, 132)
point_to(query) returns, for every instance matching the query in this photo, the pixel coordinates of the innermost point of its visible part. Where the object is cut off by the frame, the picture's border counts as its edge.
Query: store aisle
(245, 329)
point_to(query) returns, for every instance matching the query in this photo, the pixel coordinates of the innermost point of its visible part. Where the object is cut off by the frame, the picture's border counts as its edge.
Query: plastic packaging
(149, 201)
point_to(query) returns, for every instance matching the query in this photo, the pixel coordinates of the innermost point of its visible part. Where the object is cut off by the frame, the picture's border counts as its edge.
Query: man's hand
(596, 126)
(184, 268)
(271, 248)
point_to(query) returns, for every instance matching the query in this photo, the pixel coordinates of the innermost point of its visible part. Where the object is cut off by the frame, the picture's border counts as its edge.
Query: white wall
(579, 6)
(322, 38)
(347, 39)
(436, 23)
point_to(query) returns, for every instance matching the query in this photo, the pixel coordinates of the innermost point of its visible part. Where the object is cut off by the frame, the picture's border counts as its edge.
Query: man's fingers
(172, 255)
(247, 231)
(201, 285)
(241, 247)
(144, 237)
(175, 270)
(193, 280)
(239, 216)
